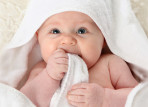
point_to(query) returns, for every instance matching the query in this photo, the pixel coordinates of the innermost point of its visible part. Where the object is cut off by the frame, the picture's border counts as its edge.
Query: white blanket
(139, 96)
(10, 97)
(115, 18)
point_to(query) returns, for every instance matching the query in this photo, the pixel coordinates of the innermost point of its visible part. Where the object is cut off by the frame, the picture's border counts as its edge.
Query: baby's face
(73, 32)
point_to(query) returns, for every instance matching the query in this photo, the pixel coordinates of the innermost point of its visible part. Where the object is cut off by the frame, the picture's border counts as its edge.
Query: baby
(110, 79)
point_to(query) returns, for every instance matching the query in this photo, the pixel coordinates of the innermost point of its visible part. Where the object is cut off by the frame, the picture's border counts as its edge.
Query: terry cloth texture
(115, 18)
(77, 73)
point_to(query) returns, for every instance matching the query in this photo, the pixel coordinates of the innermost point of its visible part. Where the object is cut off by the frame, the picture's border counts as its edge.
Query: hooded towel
(115, 18)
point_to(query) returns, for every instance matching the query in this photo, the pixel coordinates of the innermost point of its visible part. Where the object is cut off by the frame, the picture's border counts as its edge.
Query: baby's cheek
(45, 54)
(45, 57)
(46, 51)
(91, 59)
(91, 54)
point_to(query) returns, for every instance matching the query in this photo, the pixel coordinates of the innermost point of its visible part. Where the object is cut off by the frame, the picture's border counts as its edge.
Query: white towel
(115, 18)
(10, 97)
(77, 73)
(139, 96)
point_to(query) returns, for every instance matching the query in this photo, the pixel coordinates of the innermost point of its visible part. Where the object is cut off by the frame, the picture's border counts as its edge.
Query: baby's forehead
(69, 16)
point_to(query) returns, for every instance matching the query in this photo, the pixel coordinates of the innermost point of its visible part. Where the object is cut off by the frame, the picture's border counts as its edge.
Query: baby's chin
(89, 62)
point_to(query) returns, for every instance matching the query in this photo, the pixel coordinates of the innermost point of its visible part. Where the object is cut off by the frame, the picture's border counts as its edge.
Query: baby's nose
(68, 40)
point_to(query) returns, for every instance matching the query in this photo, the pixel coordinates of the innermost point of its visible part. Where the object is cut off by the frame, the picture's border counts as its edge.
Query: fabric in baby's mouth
(77, 73)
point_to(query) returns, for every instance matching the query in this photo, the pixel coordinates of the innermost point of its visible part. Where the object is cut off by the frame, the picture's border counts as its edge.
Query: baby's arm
(122, 80)
(111, 70)
(121, 75)
(45, 79)
(39, 67)
(40, 87)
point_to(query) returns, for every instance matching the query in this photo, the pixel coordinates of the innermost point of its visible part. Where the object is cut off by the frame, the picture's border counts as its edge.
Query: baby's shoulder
(103, 61)
(107, 58)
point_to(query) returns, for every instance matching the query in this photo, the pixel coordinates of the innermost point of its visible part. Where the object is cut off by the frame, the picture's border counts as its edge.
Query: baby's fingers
(77, 104)
(61, 68)
(80, 86)
(77, 92)
(59, 53)
(62, 61)
(76, 98)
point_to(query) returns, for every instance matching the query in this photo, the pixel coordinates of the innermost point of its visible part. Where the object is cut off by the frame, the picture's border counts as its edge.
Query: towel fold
(115, 18)
(77, 73)
(138, 96)
(10, 97)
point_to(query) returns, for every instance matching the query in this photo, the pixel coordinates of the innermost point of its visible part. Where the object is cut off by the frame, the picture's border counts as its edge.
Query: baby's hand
(86, 95)
(57, 64)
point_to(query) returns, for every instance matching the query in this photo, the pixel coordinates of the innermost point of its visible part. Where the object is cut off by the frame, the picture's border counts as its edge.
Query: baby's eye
(82, 31)
(55, 31)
